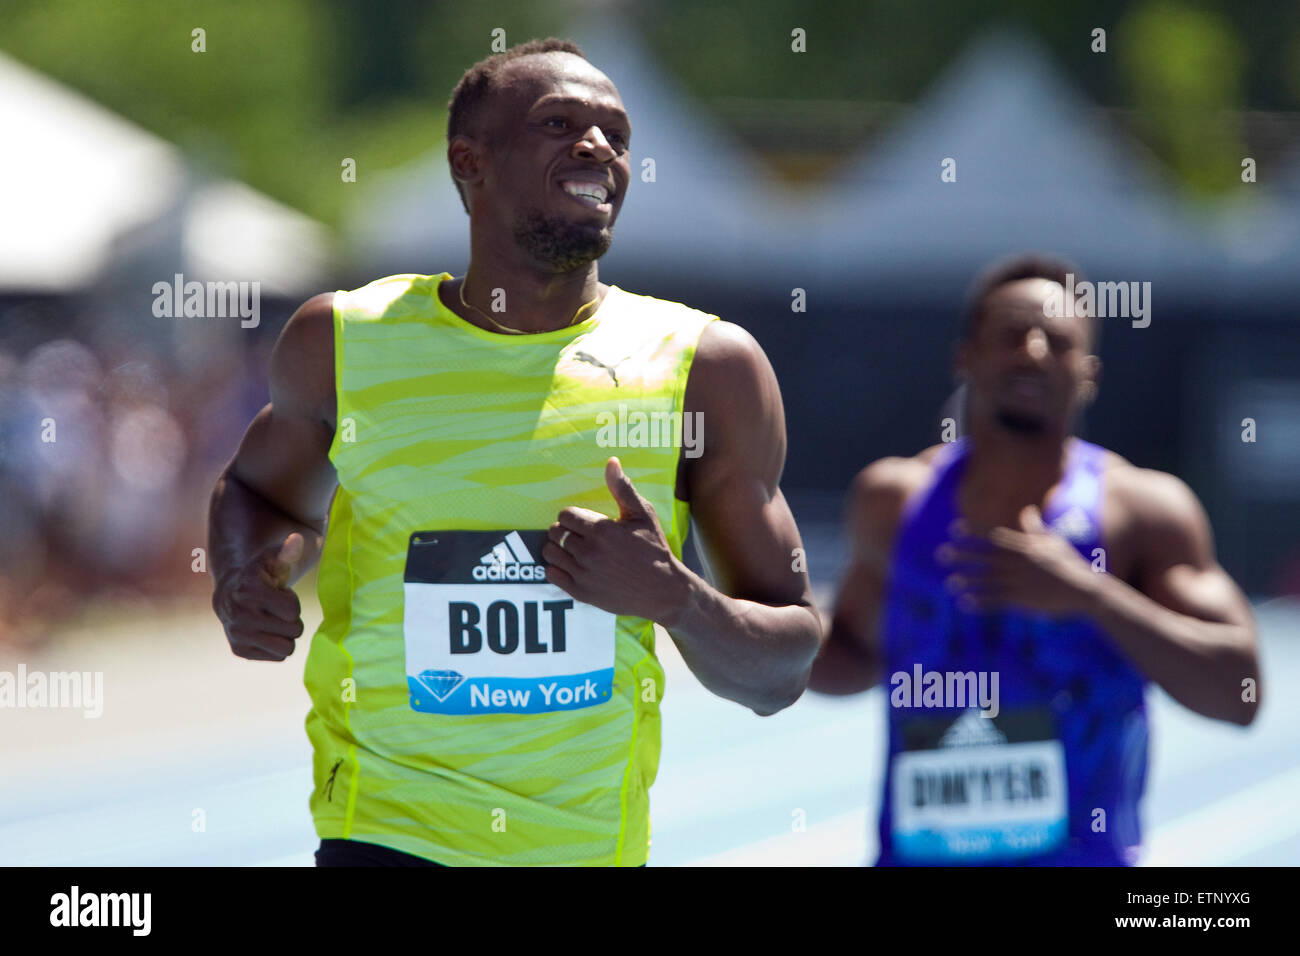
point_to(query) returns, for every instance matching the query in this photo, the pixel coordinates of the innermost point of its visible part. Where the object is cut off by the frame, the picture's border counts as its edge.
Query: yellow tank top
(463, 708)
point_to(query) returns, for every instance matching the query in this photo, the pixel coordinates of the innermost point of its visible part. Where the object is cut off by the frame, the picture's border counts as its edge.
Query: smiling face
(550, 166)
(1028, 372)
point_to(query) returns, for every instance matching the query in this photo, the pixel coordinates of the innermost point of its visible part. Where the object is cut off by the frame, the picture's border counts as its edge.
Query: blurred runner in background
(1017, 588)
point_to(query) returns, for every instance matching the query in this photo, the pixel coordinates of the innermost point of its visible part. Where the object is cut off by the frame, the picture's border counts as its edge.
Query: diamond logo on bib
(441, 683)
(486, 633)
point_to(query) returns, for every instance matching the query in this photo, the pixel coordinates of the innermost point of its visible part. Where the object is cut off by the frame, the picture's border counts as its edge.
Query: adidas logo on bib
(972, 730)
(509, 561)
(1074, 525)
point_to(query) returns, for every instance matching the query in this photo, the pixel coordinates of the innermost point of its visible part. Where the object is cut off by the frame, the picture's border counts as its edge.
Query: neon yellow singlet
(464, 709)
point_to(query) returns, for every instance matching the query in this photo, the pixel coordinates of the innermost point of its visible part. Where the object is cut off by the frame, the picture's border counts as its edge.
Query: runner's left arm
(752, 634)
(1185, 623)
(1178, 616)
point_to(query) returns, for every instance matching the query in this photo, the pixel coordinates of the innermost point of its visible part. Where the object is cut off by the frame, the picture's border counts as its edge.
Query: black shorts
(356, 853)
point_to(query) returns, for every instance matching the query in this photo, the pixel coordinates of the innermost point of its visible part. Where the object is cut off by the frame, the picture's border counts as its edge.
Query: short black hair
(1025, 265)
(478, 82)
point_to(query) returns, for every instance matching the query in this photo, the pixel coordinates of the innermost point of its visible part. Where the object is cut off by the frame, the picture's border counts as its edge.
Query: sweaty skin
(750, 636)
(1166, 603)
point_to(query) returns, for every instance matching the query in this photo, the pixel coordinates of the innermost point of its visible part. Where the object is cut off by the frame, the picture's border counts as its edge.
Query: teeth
(586, 190)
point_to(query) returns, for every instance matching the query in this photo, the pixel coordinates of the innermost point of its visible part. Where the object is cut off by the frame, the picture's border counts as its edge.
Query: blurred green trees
(287, 88)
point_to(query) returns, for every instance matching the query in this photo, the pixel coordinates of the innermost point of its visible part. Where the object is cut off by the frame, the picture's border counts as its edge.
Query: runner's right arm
(851, 659)
(278, 485)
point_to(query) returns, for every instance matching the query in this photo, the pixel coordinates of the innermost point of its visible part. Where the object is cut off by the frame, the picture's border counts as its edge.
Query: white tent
(79, 184)
(72, 177)
(232, 230)
(1033, 171)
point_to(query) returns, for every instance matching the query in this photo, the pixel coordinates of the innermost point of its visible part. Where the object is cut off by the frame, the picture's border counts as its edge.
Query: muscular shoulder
(731, 378)
(1153, 503)
(879, 493)
(726, 348)
(734, 391)
(892, 480)
(1154, 520)
(302, 362)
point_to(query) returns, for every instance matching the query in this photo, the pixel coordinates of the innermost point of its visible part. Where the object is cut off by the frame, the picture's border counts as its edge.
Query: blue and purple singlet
(1056, 776)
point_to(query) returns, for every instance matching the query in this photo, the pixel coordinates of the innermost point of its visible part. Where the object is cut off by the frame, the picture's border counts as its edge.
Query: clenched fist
(261, 614)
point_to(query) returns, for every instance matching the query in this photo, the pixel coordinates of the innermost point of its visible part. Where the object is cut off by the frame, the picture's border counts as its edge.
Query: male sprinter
(1017, 728)
(484, 683)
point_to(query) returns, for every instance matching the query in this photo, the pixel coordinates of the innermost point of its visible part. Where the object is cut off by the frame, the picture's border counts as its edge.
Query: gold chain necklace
(506, 328)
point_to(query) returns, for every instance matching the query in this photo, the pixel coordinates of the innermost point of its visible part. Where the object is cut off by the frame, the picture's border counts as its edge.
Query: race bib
(979, 789)
(486, 633)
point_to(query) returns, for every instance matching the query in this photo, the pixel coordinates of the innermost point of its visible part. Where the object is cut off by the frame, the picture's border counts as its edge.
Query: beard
(1020, 424)
(558, 243)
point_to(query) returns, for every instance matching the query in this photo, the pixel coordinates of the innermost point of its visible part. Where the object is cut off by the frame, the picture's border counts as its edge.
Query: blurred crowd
(108, 449)
(113, 428)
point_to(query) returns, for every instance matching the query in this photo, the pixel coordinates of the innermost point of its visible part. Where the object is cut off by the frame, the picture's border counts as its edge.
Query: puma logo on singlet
(592, 360)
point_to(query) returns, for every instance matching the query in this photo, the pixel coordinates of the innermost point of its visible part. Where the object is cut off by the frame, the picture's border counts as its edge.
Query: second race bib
(979, 789)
